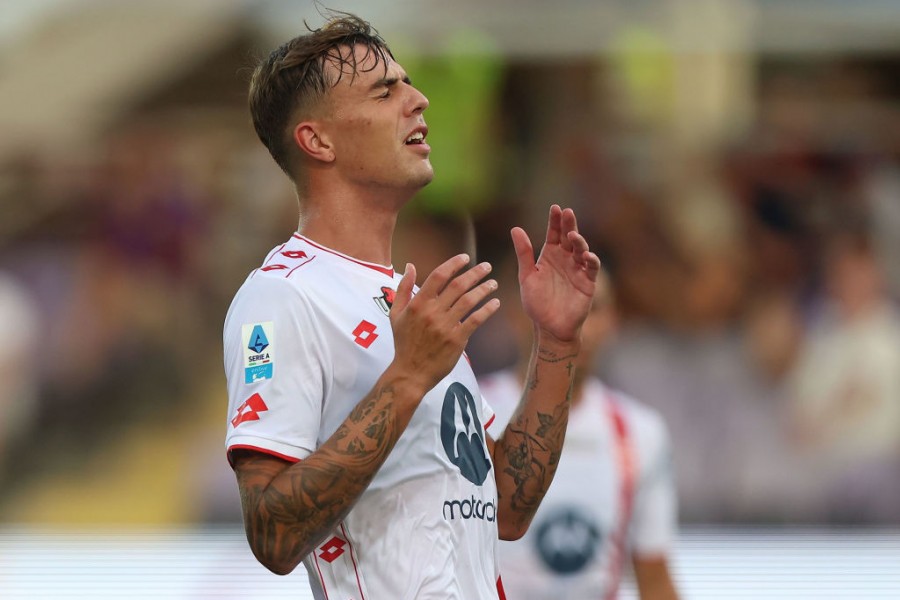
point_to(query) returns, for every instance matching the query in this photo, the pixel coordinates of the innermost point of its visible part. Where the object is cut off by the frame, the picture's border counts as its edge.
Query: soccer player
(356, 427)
(613, 496)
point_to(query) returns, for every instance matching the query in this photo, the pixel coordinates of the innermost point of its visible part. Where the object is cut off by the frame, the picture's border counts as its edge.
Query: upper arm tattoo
(288, 509)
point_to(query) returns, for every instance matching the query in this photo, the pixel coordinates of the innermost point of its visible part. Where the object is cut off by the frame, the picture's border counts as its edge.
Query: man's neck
(355, 224)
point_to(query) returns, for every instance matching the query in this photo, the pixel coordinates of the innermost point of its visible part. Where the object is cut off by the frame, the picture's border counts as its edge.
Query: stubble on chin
(428, 176)
(421, 176)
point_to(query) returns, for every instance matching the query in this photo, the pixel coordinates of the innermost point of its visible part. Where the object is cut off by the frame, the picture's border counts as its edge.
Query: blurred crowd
(756, 280)
(118, 275)
(759, 284)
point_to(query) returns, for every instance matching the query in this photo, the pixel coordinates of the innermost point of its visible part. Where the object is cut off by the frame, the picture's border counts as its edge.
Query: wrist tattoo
(550, 356)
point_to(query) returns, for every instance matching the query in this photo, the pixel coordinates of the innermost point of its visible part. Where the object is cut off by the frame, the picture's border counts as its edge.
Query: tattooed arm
(556, 291)
(527, 453)
(289, 508)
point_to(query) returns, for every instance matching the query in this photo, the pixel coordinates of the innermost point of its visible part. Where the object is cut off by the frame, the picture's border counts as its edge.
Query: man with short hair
(356, 427)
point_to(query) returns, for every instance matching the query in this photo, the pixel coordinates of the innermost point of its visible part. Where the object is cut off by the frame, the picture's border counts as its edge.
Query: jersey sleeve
(276, 368)
(489, 416)
(496, 402)
(655, 518)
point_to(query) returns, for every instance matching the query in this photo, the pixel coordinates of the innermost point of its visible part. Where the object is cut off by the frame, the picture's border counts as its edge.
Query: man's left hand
(558, 289)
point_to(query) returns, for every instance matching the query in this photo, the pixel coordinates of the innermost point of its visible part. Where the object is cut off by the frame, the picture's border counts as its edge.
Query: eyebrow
(390, 82)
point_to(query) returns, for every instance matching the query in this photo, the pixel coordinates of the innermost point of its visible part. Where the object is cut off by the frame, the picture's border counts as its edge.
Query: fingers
(568, 225)
(579, 246)
(524, 251)
(582, 255)
(554, 225)
(461, 285)
(559, 225)
(471, 299)
(591, 265)
(456, 294)
(404, 289)
(477, 318)
(437, 279)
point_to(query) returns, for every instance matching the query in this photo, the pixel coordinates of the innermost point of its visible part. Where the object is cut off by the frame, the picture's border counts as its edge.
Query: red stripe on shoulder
(268, 258)
(306, 262)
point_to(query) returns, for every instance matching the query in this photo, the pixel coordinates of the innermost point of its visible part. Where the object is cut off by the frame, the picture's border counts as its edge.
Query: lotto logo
(332, 549)
(364, 334)
(249, 410)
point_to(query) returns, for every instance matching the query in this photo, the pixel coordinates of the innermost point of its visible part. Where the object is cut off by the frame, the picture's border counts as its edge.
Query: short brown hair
(294, 76)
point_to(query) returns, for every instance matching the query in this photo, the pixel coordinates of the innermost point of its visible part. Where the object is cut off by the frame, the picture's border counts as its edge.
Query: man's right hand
(432, 327)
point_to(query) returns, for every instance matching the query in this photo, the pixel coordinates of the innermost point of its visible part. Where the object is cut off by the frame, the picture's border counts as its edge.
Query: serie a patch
(259, 351)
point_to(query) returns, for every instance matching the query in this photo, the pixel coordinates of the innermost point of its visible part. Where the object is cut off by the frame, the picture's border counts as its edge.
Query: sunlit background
(734, 162)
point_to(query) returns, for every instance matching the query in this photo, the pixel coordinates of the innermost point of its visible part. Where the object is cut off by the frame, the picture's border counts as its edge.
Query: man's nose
(418, 102)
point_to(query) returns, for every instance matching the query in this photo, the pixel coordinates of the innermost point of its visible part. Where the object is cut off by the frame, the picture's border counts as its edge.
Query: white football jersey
(306, 337)
(613, 496)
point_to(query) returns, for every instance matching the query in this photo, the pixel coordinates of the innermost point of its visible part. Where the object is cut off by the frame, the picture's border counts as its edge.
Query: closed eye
(389, 84)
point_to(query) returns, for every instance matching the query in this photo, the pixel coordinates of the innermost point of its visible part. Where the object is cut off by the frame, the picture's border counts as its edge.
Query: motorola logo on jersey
(567, 540)
(471, 508)
(463, 435)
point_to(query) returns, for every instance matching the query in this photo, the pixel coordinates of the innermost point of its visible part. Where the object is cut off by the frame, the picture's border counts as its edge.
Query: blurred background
(734, 163)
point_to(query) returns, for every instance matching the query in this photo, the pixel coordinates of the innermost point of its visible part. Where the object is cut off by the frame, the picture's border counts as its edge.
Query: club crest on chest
(386, 300)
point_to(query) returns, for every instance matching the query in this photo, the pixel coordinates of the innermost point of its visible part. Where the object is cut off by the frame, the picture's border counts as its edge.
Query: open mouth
(416, 138)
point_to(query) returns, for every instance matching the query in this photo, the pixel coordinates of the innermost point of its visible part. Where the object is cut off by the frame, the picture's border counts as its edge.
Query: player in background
(613, 497)
(356, 428)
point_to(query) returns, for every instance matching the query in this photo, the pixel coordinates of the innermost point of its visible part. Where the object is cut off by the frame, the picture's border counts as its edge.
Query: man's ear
(312, 141)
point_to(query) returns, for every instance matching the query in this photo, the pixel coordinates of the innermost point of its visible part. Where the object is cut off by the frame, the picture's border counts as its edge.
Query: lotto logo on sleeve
(249, 410)
(259, 351)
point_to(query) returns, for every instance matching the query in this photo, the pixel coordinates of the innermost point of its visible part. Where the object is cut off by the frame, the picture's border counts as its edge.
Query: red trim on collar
(389, 271)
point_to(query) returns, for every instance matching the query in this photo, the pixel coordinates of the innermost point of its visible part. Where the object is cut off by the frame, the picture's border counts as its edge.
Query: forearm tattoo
(287, 513)
(532, 444)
